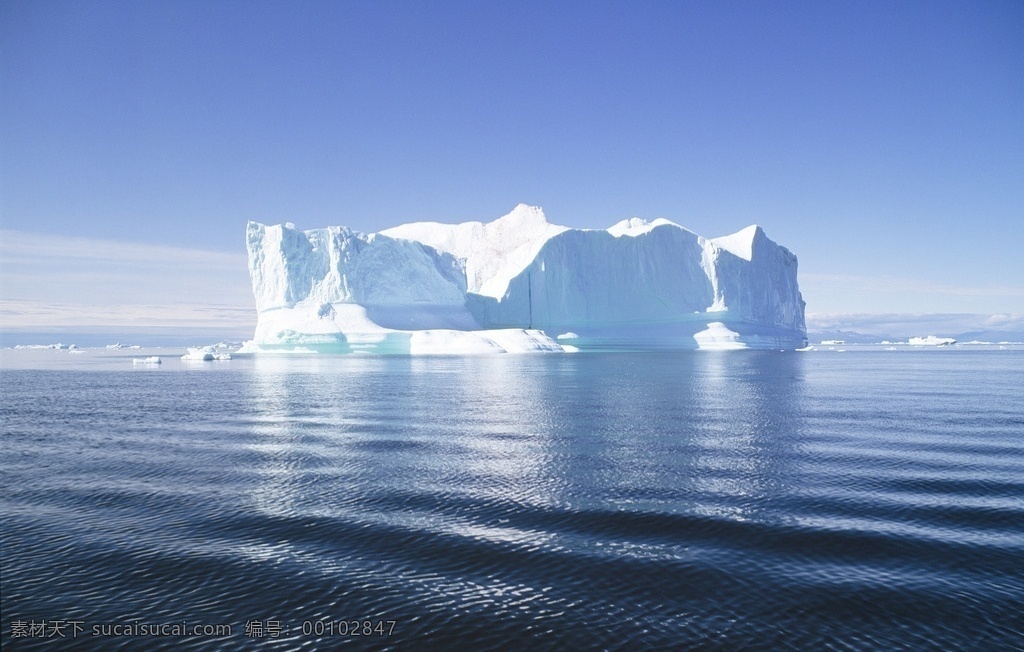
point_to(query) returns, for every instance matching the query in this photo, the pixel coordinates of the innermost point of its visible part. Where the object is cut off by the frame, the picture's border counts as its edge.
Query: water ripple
(655, 502)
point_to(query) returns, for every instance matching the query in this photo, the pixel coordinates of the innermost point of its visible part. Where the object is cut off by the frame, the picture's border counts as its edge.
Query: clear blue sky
(883, 142)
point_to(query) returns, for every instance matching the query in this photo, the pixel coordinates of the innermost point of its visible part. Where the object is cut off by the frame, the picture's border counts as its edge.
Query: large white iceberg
(516, 284)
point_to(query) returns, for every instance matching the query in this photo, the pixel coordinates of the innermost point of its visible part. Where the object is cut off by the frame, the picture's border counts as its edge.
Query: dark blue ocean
(868, 500)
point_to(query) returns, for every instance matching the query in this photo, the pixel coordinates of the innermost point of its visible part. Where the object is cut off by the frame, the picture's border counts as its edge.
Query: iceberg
(504, 286)
(205, 353)
(931, 340)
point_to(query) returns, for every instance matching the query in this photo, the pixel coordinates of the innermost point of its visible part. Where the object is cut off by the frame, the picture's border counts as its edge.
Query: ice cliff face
(517, 282)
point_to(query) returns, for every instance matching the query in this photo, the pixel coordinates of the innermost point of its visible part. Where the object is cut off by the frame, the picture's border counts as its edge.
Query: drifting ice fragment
(931, 340)
(205, 354)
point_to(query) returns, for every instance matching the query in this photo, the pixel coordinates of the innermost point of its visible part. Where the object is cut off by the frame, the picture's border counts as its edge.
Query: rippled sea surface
(736, 500)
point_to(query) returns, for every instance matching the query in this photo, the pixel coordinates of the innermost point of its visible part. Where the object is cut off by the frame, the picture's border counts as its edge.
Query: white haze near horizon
(60, 284)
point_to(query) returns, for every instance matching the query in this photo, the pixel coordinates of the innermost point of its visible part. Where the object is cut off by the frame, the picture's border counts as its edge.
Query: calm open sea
(869, 500)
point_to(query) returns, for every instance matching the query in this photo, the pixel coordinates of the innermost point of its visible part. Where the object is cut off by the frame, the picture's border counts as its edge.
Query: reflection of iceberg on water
(520, 284)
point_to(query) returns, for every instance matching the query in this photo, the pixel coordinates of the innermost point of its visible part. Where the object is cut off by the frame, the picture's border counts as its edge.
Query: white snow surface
(493, 253)
(635, 226)
(739, 243)
(431, 288)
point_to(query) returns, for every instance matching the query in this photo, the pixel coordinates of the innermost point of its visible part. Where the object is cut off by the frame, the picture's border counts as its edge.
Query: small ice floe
(153, 359)
(567, 336)
(205, 354)
(116, 345)
(198, 353)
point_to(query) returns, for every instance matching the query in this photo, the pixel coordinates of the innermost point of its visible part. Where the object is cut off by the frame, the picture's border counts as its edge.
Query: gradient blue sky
(883, 142)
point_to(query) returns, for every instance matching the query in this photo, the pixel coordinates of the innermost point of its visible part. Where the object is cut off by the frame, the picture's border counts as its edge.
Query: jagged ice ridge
(520, 284)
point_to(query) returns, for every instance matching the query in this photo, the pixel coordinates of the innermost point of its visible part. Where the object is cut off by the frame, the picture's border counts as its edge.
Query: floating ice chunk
(153, 359)
(198, 353)
(205, 354)
(931, 340)
(567, 336)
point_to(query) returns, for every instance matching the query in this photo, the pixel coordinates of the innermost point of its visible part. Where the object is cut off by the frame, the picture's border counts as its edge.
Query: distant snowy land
(895, 328)
(520, 284)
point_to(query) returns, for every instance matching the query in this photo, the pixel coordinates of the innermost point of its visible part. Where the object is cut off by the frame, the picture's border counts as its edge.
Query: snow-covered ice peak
(523, 215)
(741, 243)
(493, 253)
(635, 226)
